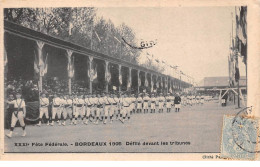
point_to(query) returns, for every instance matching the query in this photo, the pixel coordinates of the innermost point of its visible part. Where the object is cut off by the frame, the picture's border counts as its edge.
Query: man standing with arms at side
(177, 102)
(44, 104)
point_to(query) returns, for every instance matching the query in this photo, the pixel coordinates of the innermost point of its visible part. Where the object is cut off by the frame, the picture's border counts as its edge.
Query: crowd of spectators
(56, 85)
(28, 88)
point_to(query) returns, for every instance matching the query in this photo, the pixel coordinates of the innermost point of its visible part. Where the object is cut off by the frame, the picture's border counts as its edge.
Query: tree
(80, 26)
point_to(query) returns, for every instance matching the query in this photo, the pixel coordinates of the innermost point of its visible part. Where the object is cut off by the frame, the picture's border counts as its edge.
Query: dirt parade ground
(194, 129)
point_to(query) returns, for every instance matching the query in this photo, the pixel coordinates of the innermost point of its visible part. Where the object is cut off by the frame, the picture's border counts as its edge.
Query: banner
(71, 68)
(45, 67)
(108, 73)
(120, 76)
(152, 85)
(92, 72)
(5, 57)
(157, 83)
(129, 78)
(139, 81)
(146, 81)
(166, 83)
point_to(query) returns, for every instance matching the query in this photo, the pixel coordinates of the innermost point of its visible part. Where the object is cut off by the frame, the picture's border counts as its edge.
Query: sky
(197, 39)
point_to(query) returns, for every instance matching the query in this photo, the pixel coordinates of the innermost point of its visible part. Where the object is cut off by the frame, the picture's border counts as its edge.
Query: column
(69, 57)
(40, 45)
(151, 82)
(161, 84)
(167, 85)
(145, 80)
(129, 79)
(106, 75)
(138, 81)
(180, 82)
(90, 74)
(120, 77)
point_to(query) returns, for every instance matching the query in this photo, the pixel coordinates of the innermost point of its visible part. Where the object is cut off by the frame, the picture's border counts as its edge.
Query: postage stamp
(240, 137)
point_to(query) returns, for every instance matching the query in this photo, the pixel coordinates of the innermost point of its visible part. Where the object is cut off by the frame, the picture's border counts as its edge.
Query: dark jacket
(177, 100)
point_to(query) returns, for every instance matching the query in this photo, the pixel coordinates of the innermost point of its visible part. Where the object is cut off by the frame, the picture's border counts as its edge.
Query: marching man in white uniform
(120, 105)
(62, 108)
(56, 108)
(132, 104)
(153, 100)
(99, 110)
(146, 101)
(81, 107)
(125, 108)
(107, 106)
(88, 106)
(139, 104)
(161, 103)
(74, 109)
(44, 104)
(117, 109)
(129, 100)
(93, 101)
(113, 107)
(18, 114)
(67, 111)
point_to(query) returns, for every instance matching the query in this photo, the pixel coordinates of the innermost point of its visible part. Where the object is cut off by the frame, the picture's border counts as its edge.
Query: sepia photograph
(124, 79)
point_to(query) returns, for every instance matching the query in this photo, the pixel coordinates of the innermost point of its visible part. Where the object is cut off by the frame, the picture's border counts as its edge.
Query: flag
(129, 80)
(157, 83)
(243, 20)
(36, 67)
(109, 77)
(146, 81)
(170, 90)
(151, 85)
(92, 73)
(97, 36)
(5, 58)
(128, 84)
(95, 74)
(71, 68)
(108, 74)
(139, 82)
(120, 77)
(117, 39)
(70, 28)
(240, 33)
(45, 69)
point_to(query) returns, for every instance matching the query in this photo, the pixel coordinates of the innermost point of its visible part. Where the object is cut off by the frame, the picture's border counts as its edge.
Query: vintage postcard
(118, 80)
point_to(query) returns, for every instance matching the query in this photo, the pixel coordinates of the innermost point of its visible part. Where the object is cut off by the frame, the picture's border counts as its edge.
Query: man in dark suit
(177, 102)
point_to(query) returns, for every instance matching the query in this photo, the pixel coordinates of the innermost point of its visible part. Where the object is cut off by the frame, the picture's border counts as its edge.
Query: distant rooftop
(219, 82)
